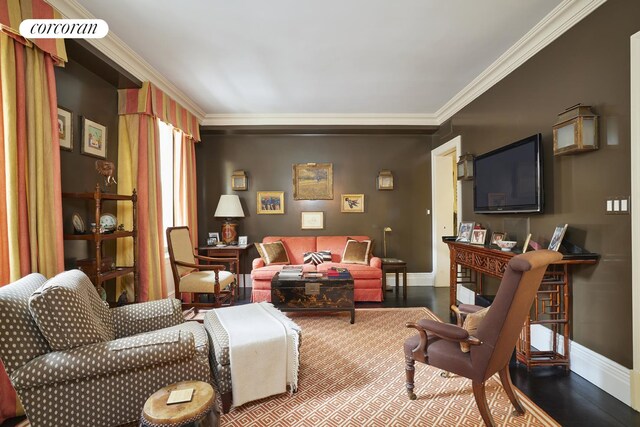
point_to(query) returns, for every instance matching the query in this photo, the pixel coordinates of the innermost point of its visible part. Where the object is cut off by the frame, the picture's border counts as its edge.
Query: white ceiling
(329, 57)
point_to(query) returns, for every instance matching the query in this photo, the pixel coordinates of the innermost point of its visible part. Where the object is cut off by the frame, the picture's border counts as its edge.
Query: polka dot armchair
(106, 362)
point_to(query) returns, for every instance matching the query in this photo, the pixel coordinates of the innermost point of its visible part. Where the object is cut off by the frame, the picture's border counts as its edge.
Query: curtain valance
(154, 102)
(13, 12)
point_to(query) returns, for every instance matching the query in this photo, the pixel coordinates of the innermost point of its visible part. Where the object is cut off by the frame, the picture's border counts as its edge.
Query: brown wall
(589, 64)
(85, 94)
(356, 159)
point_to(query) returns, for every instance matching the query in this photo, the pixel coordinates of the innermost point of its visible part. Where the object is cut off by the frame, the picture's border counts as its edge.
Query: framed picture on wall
(313, 181)
(312, 220)
(94, 139)
(270, 202)
(352, 203)
(65, 129)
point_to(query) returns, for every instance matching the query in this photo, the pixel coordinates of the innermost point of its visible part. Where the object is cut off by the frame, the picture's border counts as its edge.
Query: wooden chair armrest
(420, 352)
(208, 258)
(201, 266)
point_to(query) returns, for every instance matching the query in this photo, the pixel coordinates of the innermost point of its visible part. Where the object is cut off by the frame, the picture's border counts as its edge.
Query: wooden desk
(552, 303)
(237, 252)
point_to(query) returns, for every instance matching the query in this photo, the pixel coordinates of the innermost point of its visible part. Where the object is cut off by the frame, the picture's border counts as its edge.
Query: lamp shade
(229, 207)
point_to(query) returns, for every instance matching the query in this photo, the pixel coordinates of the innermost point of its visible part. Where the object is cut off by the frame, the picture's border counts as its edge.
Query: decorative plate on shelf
(78, 223)
(108, 223)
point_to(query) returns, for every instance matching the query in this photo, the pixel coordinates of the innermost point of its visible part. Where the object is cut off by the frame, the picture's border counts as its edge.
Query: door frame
(635, 217)
(453, 145)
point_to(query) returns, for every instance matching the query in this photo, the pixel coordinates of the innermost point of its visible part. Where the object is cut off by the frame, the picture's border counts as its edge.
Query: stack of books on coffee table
(290, 272)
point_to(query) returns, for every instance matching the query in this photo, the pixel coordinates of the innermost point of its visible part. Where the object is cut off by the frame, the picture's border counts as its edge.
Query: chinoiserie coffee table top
(157, 412)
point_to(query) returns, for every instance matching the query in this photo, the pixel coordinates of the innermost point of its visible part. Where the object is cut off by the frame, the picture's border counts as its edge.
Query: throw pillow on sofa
(69, 312)
(356, 252)
(273, 253)
(316, 258)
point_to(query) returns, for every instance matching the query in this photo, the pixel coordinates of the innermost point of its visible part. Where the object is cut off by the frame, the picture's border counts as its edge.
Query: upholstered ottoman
(219, 344)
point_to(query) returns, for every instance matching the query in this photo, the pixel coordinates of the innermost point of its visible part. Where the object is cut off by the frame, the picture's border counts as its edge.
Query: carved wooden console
(551, 306)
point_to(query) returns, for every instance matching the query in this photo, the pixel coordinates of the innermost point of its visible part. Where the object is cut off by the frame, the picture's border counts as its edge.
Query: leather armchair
(438, 344)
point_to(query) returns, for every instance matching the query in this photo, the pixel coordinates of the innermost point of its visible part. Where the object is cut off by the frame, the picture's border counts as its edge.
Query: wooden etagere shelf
(96, 236)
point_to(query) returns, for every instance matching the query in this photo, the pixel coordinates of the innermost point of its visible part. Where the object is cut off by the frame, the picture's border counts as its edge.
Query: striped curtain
(185, 188)
(30, 194)
(139, 168)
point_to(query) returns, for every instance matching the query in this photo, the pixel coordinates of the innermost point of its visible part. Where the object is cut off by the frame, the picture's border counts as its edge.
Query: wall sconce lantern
(239, 181)
(465, 167)
(385, 180)
(575, 131)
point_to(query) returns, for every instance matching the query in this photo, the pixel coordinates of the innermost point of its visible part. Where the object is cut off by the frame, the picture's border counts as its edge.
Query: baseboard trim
(413, 279)
(604, 373)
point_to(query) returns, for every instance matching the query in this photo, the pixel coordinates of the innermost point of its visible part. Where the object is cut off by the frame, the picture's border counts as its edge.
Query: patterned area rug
(353, 375)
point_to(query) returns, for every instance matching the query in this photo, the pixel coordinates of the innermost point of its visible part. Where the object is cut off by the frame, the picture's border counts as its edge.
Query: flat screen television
(509, 179)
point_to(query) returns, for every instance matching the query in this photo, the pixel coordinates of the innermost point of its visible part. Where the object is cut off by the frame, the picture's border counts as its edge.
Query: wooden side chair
(438, 344)
(196, 278)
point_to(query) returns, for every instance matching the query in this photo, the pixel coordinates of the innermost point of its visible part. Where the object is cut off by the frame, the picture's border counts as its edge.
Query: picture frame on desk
(478, 236)
(558, 235)
(498, 236)
(464, 231)
(243, 240)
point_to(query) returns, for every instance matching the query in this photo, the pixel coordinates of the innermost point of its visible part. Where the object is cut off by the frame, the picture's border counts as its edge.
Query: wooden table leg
(404, 283)
(397, 280)
(384, 283)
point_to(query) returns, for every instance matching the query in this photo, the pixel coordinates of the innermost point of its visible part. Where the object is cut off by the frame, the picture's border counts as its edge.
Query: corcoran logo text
(63, 28)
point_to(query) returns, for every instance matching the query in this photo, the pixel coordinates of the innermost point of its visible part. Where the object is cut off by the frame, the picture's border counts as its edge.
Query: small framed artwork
(65, 129)
(94, 139)
(557, 237)
(352, 203)
(497, 236)
(243, 240)
(464, 231)
(312, 220)
(270, 202)
(214, 235)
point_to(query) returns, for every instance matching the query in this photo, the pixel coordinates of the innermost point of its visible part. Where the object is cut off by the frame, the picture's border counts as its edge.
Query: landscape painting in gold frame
(313, 181)
(270, 202)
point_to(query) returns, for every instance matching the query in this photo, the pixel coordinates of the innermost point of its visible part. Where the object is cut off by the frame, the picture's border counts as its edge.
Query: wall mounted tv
(509, 179)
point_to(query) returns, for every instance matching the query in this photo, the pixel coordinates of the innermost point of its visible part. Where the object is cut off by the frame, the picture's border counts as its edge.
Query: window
(166, 172)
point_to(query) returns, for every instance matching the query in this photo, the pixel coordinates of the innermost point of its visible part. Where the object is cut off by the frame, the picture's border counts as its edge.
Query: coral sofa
(367, 278)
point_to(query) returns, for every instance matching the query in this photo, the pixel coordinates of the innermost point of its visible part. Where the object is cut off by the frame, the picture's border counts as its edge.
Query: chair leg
(481, 401)
(505, 378)
(226, 402)
(410, 369)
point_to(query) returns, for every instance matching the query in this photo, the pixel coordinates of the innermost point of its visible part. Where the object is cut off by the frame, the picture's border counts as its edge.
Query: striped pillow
(316, 258)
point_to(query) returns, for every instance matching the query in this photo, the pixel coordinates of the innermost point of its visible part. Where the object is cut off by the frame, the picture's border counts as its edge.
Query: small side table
(237, 252)
(398, 266)
(201, 411)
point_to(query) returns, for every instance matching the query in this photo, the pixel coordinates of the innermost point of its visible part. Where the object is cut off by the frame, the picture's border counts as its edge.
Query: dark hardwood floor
(567, 397)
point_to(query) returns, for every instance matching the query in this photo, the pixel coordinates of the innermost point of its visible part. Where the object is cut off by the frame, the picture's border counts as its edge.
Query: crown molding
(563, 17)
(319, 120)
(559, 20)
(119, 52)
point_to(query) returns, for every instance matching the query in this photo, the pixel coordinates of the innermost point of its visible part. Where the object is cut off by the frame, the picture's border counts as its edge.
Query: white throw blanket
(263, 351)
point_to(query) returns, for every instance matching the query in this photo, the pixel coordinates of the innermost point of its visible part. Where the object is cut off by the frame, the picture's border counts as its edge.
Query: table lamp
(229, 207)
(386, 229)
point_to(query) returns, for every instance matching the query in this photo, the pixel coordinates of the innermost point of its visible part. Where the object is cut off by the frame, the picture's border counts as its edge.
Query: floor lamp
(386, 230)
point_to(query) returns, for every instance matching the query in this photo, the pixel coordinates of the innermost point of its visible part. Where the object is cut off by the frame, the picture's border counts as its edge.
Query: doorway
(445, 205)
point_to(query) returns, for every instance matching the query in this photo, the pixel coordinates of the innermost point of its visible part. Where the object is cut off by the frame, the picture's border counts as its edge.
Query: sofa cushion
(69, 312)
(356, 252)
(358, 271)
(296, 246)
(335, 244)
(273, 253)
(316, 258)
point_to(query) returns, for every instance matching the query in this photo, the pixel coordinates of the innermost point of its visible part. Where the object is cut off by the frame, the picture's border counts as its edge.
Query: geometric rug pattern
(353, 375)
